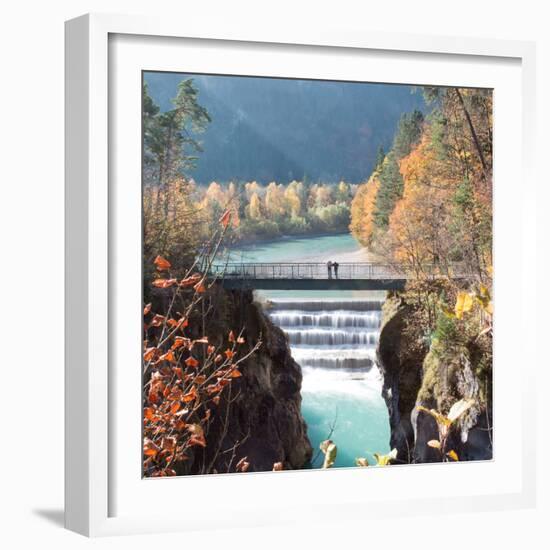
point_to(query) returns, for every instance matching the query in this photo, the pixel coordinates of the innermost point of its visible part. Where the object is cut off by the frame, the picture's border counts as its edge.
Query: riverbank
(341, 247)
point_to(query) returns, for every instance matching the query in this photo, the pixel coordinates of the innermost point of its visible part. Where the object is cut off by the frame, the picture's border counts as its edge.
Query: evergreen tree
(169, 141)
(390, 191)
(380, 156)
(408, 133)
(391, 181)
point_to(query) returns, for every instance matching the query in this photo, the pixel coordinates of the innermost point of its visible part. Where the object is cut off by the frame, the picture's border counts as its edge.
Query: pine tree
(391, 181)
(380, 156)
(390, 191)
(169, 140)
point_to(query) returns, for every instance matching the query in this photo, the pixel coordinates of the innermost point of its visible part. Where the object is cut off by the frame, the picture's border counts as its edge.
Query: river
(333, 336)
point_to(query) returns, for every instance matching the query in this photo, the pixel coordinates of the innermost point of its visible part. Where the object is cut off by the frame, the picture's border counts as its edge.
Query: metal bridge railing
(295, 270)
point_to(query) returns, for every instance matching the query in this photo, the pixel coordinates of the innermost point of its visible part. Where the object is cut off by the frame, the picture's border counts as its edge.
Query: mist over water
(333, 336)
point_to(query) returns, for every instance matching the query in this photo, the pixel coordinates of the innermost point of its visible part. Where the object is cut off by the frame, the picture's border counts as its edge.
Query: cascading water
(334, 341)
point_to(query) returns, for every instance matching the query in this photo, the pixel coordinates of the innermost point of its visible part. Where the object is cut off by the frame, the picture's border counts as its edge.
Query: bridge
(316, 276)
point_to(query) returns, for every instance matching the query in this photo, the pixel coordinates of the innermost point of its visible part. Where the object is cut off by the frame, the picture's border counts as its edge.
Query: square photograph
(317, 274)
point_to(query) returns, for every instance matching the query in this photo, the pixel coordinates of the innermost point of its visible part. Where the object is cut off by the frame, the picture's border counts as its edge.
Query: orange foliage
(362, 210)
(184, 379)
(418, 223)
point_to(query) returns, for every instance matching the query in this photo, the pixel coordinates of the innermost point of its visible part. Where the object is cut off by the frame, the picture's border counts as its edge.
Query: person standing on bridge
(335, 266)
(329, 269)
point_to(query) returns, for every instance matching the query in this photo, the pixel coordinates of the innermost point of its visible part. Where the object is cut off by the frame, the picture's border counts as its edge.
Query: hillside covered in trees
(427, 207)
(272, 129)
(429, 199)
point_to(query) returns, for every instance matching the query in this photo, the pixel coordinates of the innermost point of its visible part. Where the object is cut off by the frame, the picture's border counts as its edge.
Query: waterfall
(334, 341)
(337, 334)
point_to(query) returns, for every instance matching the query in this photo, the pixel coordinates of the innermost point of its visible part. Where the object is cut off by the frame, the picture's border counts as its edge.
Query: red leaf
(179, 341)
(150, 448)
(213, 388)
(199, 287)
(226, 218)
(149, 353)
(169, 356)
(191, 280)
(164, 283)
(242, 465)
(153, 396)
(191, 362)
(190, 395)
(157, 321)
(162, 263)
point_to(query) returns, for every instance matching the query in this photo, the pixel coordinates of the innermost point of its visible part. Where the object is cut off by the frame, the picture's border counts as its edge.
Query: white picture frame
(103, 53)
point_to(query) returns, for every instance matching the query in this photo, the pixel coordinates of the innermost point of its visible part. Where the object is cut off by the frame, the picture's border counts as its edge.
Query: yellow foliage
(464, 303)
(330, 450)
(362, 210)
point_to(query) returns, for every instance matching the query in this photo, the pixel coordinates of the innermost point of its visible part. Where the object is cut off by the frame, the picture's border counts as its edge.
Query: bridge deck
(317, 276)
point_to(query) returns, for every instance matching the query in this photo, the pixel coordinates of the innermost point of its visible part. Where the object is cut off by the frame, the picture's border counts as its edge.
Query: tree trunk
(473, 132)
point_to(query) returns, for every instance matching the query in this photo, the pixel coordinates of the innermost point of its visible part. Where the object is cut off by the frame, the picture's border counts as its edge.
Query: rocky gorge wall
(269, 404)
(259, 417)
(417, 373)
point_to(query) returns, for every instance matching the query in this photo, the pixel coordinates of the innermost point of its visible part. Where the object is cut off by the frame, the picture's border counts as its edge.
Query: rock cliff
(433, 375)
(263, 421)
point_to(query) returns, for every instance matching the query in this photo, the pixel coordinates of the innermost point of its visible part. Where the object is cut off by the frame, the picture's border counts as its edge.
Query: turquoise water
(291, 249)
(333, 336)
(353, 406)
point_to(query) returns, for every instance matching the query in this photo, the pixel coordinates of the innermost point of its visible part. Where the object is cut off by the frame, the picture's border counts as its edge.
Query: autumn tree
(343, 192)
(390, 190)
(293, 200)
(170, 219)
(391, 181)
(362, 223)
(254, 209)
(433, 202)
(275, 205)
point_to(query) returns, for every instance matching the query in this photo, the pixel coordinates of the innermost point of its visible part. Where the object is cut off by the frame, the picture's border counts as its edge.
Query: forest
(429, 198)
